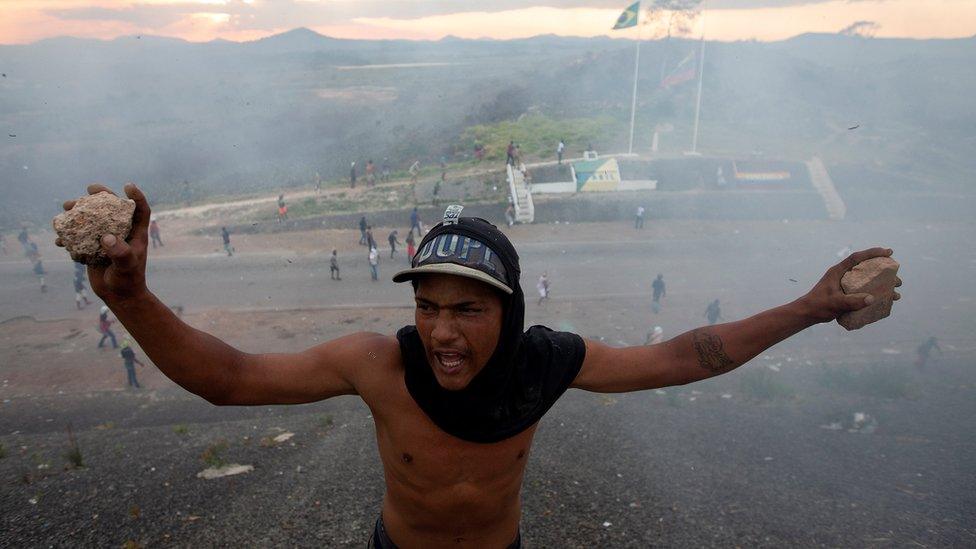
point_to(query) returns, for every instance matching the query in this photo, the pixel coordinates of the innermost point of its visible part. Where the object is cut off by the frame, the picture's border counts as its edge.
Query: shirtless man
(457, 398)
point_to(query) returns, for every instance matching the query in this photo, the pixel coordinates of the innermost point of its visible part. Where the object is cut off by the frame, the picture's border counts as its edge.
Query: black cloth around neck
(524, 377)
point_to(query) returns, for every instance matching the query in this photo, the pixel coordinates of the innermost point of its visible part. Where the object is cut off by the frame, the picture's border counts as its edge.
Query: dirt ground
(770, 455)
(830, 438)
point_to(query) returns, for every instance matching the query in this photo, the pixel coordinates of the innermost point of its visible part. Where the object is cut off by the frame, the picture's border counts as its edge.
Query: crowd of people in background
(367, 239)
(373, 173)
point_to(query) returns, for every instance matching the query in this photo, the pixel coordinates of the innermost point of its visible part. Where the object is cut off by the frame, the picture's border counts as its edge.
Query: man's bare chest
(416, 451)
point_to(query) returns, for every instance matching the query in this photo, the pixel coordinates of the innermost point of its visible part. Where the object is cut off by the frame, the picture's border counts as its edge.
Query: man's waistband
(381, 540)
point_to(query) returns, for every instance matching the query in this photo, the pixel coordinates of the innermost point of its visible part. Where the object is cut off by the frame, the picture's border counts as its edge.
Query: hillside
(258, 116)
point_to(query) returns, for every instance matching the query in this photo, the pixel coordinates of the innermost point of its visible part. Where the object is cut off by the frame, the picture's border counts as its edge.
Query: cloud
(145, 16)
(27, 20)
(294, 13)
(860, 28)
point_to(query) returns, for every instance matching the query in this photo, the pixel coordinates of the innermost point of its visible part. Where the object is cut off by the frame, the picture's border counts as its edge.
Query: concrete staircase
(836, 209)
(520, 195)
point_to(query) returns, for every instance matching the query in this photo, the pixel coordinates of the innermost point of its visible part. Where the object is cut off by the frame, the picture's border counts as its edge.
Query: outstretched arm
(713, 350)
(200, 362)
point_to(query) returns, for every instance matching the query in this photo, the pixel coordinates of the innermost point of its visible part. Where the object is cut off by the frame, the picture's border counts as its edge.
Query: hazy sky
(23, 21)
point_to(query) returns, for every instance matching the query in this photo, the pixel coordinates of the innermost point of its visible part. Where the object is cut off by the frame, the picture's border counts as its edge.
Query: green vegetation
(75, 459)
(371, 199)
(785, 99)
(763, 385)
(181, 429)
(537, 135)
(213, 456)
(326, 421)
(874, 380)
(3, 452)
(74, 456)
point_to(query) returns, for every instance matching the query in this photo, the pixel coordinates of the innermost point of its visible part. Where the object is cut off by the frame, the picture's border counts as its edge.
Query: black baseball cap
(463, 246)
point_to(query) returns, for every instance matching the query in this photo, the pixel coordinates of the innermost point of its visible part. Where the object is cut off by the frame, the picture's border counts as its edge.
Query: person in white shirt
(374, 261)
(543, 287)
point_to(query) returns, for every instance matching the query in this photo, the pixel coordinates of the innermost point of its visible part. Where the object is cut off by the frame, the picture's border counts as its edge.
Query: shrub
(213, 455)
(537, 135)
(75, 458)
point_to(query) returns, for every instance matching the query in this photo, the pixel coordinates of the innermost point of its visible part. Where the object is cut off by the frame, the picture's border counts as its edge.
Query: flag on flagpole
(629, 17)
(683, 72)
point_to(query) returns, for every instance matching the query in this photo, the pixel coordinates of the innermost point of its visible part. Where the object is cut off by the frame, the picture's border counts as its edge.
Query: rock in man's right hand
(125, 277)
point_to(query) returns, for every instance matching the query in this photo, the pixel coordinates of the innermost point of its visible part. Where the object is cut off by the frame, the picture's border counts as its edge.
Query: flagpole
(633, 101)
(701, 71)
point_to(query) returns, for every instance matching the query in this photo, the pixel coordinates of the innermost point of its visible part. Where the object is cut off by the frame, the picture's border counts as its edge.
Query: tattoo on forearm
(711, 356)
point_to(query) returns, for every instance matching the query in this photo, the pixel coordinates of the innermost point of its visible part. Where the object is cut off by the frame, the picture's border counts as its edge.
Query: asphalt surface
(748, 269)
(691, 467)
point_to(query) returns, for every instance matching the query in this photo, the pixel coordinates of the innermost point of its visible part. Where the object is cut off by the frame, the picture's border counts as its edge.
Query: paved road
(748, 271)
(278, 281)
(690, 469)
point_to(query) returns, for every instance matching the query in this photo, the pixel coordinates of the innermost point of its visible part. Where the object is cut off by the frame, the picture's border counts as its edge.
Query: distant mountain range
(270, 113)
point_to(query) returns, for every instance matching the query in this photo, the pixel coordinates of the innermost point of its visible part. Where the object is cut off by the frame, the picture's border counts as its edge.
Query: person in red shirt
(105, 328)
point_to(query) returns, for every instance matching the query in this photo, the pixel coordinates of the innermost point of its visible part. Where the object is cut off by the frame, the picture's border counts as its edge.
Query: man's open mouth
(449, 362)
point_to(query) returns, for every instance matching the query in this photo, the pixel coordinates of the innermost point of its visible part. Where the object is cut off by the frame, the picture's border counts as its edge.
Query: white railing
(521, 195)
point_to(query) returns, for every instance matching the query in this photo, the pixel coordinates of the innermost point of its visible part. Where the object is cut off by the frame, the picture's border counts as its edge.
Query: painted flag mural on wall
(629, 17)
(597, 175)
(683, 72)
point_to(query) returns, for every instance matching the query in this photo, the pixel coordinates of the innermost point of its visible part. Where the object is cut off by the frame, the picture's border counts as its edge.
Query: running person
(362, 230)
(457, 397)
(39, 272)
(334, 265)
(225, 236)
(374, 263)
(129, 360)
(282, 208)
(713, 312)
(105, 326)
(543, 288)
(415, 221)
(411, 245)
(24, 240)
(81, 293)
(924, 350)
(154, 233)
(414, 171)
(659, 291)
(370, 173)
(370, 241)
(392, 239)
